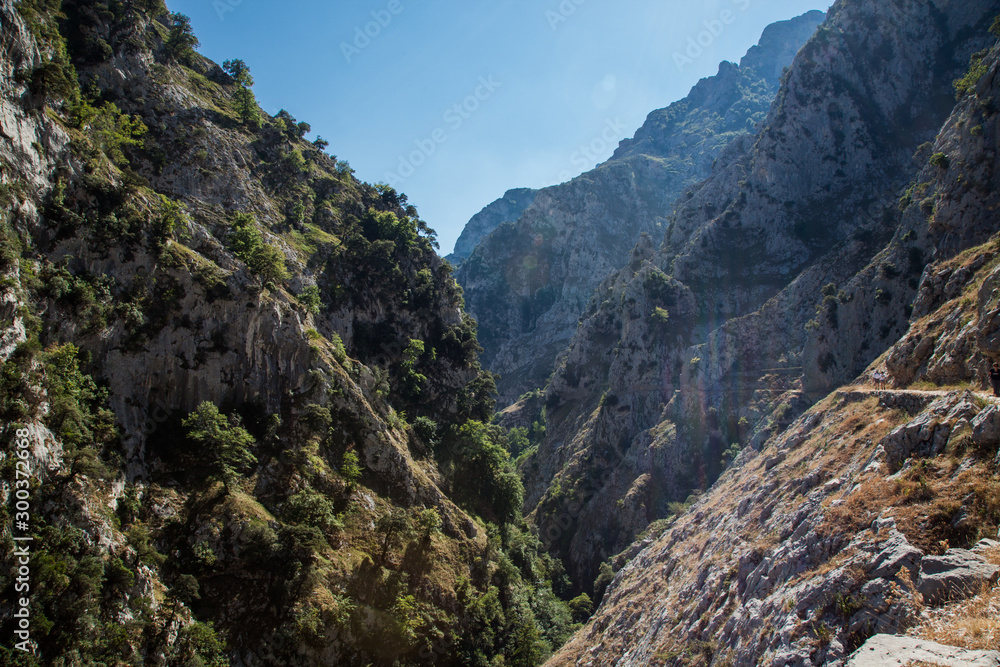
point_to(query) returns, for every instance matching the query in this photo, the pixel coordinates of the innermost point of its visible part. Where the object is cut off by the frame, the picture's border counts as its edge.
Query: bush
(311, 509)
(309, 297)
(350, 469)
(247, 243)
(940, 160)
(977, 68)
(411, 380)
(581, 607)
(198, 644)
(485, 473)
(111, 129)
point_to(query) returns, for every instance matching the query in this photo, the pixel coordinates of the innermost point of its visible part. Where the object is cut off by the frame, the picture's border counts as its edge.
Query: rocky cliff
(528, 283)
(240, 396)
(873, 508)
(705, 345)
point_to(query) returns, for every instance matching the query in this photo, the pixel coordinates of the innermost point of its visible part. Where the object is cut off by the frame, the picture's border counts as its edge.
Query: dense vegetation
(242, 529)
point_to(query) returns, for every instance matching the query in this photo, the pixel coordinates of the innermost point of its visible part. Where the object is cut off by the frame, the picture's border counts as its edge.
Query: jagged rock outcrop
(798, 554)
(760, 247)
(506, 209)
(528, 283)
(945, 209)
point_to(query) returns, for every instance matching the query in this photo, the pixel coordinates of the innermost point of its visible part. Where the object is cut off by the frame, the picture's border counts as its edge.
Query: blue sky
(453, 102)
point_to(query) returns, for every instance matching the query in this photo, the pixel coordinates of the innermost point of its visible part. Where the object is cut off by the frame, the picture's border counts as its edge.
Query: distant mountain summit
(506, 209)
(528, 281)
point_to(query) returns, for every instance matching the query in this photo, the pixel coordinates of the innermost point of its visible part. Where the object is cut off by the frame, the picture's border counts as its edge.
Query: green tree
(111, 129)
(247, 243)
(350, 469)
(412, 381)
(428, 523)
(312, 509)
(309, 297)
(485, 470)
(181, 42)
(581, 607)
(393, 527)
(239, 71)
(269, 263)
(226, 444)
(199, 644)
(243, 98)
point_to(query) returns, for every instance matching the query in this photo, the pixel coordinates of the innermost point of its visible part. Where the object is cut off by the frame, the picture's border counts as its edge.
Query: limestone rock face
(955, 575)
(797, 555)
(945, 209)
(759, 249)
(128, 298)
(888, 649)
(527, 283)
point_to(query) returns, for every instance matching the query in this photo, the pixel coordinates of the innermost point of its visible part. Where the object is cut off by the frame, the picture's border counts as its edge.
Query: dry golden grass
(972, 624)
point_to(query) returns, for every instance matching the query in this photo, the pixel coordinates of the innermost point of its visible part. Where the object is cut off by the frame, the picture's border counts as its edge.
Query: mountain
(506, 209)
(527, 283)
(720, 337)
(240, 397)
(732, 363)
(243, 418)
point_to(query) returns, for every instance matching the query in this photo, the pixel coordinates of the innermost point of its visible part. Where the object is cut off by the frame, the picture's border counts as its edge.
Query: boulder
(956, 575)
(986, 426)
(882, 650)
(984, 545)
(896, 553)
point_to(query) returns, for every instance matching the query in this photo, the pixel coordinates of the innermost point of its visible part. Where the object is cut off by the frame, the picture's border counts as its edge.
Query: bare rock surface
(882, 650)
(957, 574)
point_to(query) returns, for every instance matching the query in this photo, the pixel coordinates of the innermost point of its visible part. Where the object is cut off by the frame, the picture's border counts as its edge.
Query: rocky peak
(779, 43)
(527, 283)
(506, 209)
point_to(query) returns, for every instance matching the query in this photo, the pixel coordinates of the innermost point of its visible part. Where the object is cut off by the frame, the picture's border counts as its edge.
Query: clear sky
(455, 101)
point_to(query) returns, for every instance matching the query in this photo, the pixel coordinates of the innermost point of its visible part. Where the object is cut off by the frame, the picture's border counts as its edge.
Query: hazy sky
(453, 102)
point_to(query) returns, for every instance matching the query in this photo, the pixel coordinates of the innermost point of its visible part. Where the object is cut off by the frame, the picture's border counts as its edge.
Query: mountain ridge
(527, 284)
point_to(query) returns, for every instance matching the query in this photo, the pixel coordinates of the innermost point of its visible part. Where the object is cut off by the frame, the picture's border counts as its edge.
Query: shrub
(311, 509)
(350, 469)
(111, 129)
(977, 68)
(309, 297)
(940, 160)
(198, 644)
(411, 380)
(247, 243)
(295, 161)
